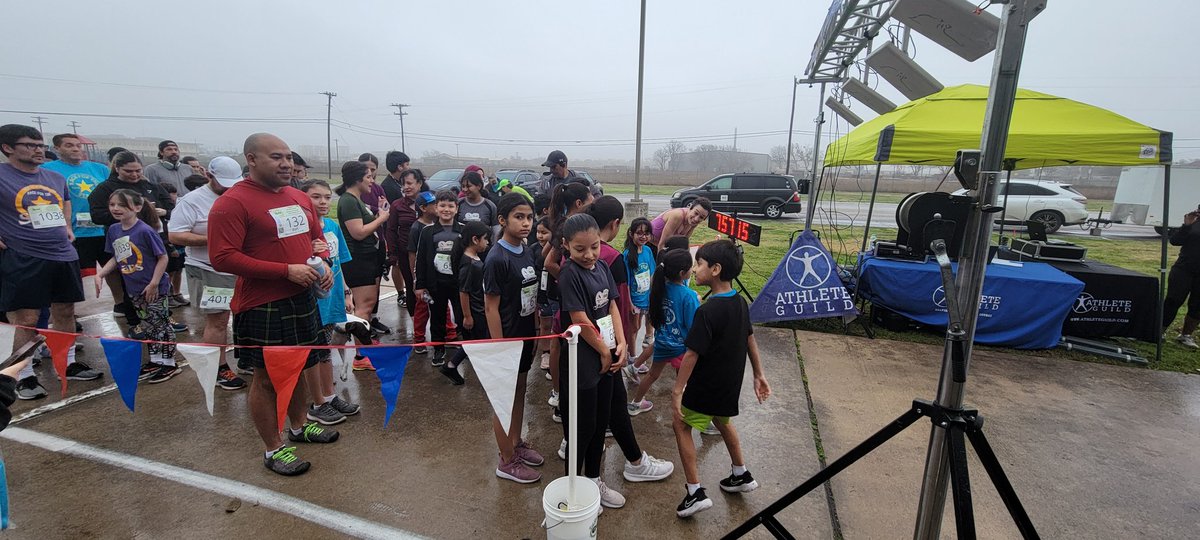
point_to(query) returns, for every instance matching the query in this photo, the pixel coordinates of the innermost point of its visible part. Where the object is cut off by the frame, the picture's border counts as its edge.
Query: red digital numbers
(734, 228)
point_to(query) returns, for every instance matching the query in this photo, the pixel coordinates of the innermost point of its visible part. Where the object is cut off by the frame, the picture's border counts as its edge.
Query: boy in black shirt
(710, 378)
(435, 273)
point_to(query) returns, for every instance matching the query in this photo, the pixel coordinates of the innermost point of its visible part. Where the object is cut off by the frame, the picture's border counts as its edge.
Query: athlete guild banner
(805, 285)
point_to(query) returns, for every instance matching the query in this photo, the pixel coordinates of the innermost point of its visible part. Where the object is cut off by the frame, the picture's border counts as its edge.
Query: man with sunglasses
(39, 267)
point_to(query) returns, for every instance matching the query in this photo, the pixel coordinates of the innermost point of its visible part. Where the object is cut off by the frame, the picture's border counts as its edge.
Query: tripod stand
(959, 425)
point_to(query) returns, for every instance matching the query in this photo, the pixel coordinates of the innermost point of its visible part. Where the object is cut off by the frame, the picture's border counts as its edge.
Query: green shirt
(521, 190)
(350, 207)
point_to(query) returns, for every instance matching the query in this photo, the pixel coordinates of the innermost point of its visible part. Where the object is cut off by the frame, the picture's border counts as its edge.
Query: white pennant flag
(496, 366)
(205, 361)
(7, 335)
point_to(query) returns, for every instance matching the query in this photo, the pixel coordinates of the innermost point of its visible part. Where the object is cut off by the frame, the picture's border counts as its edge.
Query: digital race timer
(730, 226)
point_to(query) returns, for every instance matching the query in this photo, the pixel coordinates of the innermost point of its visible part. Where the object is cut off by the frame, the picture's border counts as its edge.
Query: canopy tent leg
(814, 193)
(1162, 266)
(1004, 210)
(871, 207)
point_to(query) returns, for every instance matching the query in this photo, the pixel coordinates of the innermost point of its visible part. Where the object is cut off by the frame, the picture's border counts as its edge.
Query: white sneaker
(608, 496)
(545, 360)
(711, 430)
(1187, 341)
(644, 368)
(651, 469)
(632, 374)
(638, 407)
(562, 450)
(553, 401)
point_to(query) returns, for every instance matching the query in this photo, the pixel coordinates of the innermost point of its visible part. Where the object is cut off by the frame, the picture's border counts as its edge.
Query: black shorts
(27, 282)
(527, 349)
(362, 270)
(175, 264)
(91, 252)
(293, 321)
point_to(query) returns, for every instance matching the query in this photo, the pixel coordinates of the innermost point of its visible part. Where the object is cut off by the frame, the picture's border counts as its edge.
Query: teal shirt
(81, 179)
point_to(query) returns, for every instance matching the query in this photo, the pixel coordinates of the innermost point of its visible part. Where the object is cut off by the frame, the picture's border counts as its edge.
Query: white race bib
(45, 216)
(216, 298)
(607, 332)
(528, 299)
(122, 248)
(441, 263)
(331, 240)
(643, 281)
(289, 220)
(84, 219)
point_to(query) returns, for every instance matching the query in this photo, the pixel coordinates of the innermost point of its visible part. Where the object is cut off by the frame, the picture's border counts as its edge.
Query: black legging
(597, 408)
(1183, 285)
(479, 331)
(444, 290)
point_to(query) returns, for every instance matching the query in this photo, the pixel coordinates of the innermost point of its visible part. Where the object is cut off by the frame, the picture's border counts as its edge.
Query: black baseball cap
(555, 158)
(300, 161)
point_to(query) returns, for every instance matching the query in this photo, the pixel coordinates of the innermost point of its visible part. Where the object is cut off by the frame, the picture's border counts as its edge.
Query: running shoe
(228, 380)
(80, 371)
(439, 356)
(325, 414)
(362, 363)
(636, 408)
(284, 461)
(452, 373)
(148, 369)
(739, 483)
(344, 407)
(179, 327)
(644, 368)
(609, 497)
(545, 360)
(553, 401)
(163, 374)
(177, 300)
(517, 471)
(312, 433)
(557, 416)
(631, 374)
(528, 455)
(379, 327)
(118, 311)
(651, 469)
(711, 429)
(244, 367)
(78, 327)
(1187, 341)
(29, 388)
(562, 450)
(696, 502)
(420, 349)
(608, 433)
(400, 298)
(548, 377)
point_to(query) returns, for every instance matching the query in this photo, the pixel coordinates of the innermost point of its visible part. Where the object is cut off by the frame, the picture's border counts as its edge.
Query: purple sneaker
(517, 471)
(528, 455)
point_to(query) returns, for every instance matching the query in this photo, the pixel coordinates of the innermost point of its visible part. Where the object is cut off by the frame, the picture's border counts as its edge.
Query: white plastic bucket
(577, 522)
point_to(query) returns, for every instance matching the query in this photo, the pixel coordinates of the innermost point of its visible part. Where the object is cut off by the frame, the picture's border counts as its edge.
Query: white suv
(1051, 203)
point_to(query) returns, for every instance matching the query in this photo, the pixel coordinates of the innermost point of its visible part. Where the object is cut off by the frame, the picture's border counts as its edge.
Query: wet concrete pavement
(429, 473)
(1094, 451)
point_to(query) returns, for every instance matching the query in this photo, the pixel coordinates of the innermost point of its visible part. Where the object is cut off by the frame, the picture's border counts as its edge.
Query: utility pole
(400, 112)
(74, 127)
(337, 150)
(637, 207)
(787, 166)
(39, 120)
(735, 139)
(329, 130)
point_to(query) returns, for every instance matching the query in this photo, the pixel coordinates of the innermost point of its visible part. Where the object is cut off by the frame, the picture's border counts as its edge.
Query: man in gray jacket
(560, 174)
(169, 169)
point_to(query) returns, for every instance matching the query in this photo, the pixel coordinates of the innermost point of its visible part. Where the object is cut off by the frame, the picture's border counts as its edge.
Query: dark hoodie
(98, 200)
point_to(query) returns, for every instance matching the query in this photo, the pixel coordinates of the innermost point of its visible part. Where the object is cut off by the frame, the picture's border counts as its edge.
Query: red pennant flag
(60, 344)
(284, 365)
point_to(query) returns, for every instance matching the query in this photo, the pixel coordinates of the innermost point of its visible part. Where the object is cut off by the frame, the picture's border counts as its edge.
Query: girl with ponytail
(672, 307)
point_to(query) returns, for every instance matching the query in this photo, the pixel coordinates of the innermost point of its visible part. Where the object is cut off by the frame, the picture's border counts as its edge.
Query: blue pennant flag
(805, 285)
(3, 496)
(389, 365)
(125, 363)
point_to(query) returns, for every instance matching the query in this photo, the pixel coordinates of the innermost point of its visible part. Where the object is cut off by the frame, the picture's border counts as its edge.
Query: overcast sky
(481, 75)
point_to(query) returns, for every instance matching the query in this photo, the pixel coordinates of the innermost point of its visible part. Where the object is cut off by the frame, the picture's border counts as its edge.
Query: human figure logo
(939, 297)
(808, 267)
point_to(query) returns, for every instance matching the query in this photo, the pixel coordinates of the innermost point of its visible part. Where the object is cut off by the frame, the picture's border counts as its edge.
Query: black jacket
(98, 200)
(425, 269)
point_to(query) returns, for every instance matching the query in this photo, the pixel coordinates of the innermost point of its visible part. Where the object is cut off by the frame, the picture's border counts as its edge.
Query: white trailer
(1140, 194)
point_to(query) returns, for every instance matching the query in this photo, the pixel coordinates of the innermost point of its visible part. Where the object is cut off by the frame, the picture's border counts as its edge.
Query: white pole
(572, 413)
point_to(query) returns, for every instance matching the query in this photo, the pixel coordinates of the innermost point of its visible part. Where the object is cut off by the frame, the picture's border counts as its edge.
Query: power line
(150, 87)
(74, 126)
(164, 117)
(39, 120)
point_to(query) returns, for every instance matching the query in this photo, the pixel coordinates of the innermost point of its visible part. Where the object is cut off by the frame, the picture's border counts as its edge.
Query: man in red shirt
(262, 231)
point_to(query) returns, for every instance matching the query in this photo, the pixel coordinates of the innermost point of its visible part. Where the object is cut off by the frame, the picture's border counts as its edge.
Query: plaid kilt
(293, 321)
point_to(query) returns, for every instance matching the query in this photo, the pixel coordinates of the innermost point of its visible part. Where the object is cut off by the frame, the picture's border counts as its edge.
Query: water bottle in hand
(317, 264)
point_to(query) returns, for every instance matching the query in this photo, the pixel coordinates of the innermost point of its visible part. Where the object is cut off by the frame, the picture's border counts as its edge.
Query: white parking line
(332, 519)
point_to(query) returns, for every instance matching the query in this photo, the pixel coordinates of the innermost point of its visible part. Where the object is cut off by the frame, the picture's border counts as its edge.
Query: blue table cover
(1023, 308)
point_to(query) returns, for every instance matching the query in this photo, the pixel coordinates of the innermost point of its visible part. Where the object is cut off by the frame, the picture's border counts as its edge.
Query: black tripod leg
(1007, 494)
(960, 484)
(856, 453)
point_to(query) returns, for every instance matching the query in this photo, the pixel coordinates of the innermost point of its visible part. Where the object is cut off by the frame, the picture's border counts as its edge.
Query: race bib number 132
(289, 220)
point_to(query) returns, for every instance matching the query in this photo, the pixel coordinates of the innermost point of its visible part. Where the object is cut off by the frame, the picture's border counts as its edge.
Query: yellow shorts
(700, 420)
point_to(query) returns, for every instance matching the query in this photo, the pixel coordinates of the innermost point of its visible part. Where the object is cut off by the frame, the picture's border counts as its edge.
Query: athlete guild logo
(1083, 304)
(808, 267)
(1086, 303)
(939, 297)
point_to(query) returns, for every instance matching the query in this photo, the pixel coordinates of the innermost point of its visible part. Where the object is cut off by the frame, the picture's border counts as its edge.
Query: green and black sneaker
(284, 461)
(313, 433)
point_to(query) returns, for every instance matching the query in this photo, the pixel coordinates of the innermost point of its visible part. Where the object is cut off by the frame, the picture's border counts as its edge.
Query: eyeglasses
(33, 146)
(642, 233)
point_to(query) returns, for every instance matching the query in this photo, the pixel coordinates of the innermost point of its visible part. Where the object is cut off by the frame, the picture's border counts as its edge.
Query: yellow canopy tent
(1046, 131)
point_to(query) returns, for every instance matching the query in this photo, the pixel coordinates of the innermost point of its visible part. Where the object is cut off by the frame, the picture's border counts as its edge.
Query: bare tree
(663, 155)
(801, 158)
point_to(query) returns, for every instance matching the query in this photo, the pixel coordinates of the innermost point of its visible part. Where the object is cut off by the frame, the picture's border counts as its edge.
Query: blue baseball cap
(425, 198)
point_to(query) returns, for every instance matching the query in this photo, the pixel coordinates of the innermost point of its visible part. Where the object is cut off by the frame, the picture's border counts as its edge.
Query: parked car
(598, 188)
(445, 179)
(525, 178)
(754, 193)
(1051, 203)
